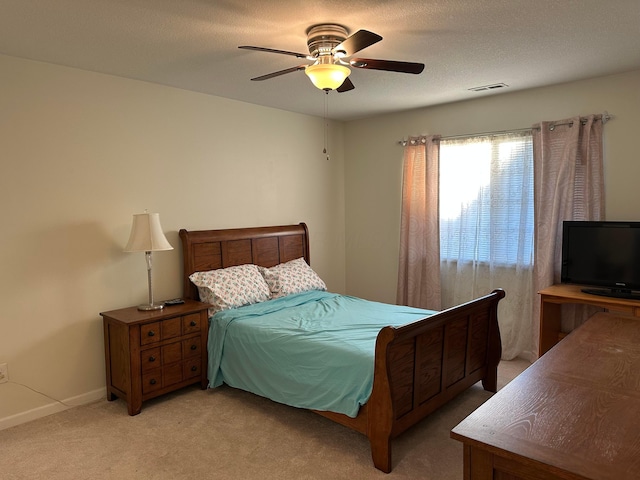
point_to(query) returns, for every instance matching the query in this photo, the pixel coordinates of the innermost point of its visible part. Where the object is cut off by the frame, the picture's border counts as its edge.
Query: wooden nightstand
(150, 353)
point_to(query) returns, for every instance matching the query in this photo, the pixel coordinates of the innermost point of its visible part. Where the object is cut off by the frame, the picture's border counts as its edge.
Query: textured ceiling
(192, 44)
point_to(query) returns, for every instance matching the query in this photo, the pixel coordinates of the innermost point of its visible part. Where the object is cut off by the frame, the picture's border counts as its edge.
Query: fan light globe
(327, 76)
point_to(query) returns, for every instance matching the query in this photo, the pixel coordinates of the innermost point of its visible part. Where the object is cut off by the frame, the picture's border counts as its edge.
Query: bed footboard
(421, 366)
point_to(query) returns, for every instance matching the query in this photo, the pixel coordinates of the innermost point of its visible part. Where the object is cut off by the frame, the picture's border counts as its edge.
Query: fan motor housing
(322, 39)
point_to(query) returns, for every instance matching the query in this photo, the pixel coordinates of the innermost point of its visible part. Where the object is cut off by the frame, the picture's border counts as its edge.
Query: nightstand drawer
(191, 323)
(157, 331)
(171, 328)
(191, 347)
(150, 359)
(164, 377)
(171, 353)
(150, 333)
(191, 368)
(171, 374)
(152, 381)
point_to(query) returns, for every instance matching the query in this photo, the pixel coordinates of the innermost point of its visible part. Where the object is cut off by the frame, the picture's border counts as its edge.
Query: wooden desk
(551, 299)
(572, 415)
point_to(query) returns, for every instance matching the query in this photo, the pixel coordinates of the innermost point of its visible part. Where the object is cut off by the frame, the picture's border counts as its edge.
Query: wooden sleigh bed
(418, 367)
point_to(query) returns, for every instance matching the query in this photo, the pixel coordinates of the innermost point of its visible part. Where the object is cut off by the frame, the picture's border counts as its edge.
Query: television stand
(553, 297)
(612, 292)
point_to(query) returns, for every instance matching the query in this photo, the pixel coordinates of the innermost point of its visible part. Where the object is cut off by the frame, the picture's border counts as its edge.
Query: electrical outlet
(4, 373)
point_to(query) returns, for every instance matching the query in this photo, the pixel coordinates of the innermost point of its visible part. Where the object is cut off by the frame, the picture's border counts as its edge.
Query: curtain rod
(605, 118)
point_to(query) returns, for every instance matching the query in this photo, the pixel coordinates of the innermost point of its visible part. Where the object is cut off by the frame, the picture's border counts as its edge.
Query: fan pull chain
(326, 123)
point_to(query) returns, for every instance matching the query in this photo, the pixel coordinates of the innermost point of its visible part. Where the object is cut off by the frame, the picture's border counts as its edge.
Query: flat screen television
(604, 255)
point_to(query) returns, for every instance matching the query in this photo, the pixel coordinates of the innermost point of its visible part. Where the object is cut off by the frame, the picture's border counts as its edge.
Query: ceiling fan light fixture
(327, 76)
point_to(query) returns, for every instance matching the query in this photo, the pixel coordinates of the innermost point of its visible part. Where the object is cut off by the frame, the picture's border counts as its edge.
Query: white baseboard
(51, 408)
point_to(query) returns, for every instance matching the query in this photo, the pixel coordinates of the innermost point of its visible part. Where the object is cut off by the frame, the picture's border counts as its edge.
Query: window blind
(486, 199)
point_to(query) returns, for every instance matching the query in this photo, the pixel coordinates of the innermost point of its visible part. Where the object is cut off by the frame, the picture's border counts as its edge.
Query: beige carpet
(227, 434)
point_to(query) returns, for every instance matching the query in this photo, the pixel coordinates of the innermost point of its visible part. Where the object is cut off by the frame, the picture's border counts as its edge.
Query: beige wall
(80, 153)
(373, 167)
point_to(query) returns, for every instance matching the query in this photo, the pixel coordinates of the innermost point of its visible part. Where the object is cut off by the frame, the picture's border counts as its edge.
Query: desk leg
(466, 462)
(478, 464)
(549, 325)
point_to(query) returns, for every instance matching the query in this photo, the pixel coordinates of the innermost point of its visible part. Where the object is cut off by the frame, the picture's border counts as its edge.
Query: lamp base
(150, 307)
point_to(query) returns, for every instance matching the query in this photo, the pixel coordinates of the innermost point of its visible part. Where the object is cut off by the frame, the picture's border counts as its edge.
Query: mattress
(311, 350)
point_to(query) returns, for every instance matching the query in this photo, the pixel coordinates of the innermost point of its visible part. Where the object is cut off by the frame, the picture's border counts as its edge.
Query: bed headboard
(204, 250)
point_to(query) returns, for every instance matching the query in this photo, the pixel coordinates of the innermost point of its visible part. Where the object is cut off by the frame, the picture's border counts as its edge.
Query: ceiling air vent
(493, 86)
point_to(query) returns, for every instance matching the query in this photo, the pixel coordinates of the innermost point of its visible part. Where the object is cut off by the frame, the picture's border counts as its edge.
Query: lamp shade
(327, 76)
(146, 234)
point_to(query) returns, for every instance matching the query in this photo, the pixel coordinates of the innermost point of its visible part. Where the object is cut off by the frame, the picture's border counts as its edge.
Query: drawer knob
(151, 333)
(194, 347)
(152, 358)
(153, 381)
(194, 368)
(193, 323)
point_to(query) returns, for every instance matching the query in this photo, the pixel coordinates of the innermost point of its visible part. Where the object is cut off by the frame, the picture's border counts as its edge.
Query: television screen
(603, 254)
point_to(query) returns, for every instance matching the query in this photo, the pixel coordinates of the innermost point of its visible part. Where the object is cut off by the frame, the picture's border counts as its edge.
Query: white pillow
(231, 287)
(291, 277)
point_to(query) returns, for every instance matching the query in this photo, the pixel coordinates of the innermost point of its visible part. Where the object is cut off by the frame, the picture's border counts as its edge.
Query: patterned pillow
(291, 277)
(231, 287)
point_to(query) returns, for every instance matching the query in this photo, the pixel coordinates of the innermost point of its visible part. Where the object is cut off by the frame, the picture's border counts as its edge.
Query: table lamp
(147, 236)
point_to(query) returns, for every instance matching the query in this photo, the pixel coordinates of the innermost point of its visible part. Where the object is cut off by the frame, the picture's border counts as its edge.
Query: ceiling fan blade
(271, 50)
(280, 72)
(346, 86)
(358, 41)
(387, 65)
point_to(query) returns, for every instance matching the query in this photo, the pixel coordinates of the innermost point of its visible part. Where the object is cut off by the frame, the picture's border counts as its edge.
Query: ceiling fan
(330, 45)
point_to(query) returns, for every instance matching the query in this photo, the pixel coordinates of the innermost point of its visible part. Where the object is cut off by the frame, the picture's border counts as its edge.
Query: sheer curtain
(486, 222)
(419, 262)
(569, 185)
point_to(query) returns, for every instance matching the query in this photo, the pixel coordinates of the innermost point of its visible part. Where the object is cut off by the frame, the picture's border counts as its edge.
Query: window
(486, 199)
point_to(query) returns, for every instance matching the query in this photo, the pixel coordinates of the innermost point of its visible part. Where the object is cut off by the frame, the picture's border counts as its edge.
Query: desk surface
(575, 410)
(568, 293)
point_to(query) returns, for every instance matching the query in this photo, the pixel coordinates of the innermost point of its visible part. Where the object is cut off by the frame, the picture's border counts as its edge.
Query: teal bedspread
(311, 350)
